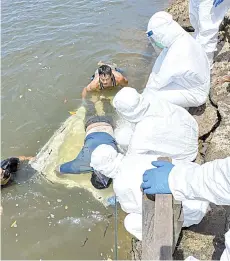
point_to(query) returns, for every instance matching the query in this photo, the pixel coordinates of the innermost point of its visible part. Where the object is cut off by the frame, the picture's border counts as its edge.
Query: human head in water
(105, 75)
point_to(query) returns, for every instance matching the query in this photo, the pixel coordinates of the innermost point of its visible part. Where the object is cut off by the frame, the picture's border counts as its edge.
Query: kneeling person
(99, 130)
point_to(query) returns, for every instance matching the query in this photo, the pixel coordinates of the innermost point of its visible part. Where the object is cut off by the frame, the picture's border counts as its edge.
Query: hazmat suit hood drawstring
(165, 30)
(106, 160)
(130, 105)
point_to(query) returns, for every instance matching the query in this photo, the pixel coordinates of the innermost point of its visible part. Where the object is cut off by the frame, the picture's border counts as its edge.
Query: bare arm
(90, 87)
(121, 80)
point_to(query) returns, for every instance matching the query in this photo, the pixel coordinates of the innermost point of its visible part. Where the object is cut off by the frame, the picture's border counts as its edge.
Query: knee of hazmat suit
(133, 224)
(181, 73)
(99, 131)
(159, 126)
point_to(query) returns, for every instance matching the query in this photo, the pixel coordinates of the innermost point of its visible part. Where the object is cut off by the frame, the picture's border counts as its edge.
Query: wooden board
(157, 236)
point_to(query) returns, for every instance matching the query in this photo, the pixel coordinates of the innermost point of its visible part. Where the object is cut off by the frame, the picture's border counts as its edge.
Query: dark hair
(96, 182)
(104, 70)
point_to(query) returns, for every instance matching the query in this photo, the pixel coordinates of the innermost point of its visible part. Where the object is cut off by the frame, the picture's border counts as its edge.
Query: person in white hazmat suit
(208, 182)
(206, 17)
(157, 127)
(181, 73)
(126, 172)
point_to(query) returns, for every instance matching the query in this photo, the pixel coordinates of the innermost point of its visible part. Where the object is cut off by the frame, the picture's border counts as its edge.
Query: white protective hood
(181, 73)
(130, 105)
(165, 29)
(105, 159)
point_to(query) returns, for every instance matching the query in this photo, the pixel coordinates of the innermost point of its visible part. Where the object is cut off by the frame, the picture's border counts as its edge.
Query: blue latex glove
(217, 2)
(155, 181)
(111, 201)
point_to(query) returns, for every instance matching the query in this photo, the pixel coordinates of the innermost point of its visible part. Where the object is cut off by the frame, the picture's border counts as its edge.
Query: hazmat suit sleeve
(208, 182)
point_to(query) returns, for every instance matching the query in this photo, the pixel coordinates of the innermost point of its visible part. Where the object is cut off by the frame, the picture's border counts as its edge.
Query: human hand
(217, 2)
(155, 181)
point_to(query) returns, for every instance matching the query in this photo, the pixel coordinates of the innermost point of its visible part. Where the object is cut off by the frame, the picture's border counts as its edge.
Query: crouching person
(99, 130)
(126, 172)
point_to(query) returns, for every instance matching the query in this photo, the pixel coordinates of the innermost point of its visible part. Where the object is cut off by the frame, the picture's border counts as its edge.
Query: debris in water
(29, 90)
(111, 250)
(48, 202)
(38, 141)
(16, 235)
(72, 112)
(59, 200)
(89, 229)
(66, 207)
(52, 215)
(65, 101)
(101, 254)
(20, 96)
(85, 242)
(16, 205)
(109, 259)
(14, 224)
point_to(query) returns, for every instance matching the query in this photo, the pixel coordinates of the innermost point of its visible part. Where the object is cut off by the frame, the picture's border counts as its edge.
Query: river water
(50, 49)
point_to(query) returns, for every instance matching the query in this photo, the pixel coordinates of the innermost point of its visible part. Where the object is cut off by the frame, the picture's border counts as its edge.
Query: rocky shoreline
(206, 240)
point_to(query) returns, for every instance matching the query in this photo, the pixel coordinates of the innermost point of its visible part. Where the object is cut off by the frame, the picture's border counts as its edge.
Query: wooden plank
(163, 228)
(157, 228)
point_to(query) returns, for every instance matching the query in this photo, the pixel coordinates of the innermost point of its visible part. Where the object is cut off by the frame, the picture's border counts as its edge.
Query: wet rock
(206, 240)
(136, 251)
(206, 117)
(219, 146)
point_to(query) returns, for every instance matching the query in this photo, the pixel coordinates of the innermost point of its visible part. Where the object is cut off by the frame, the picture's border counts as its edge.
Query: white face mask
(157, 46)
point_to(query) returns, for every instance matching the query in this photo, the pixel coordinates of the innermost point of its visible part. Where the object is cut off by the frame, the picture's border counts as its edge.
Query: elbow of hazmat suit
(160, 128)
(181, 73)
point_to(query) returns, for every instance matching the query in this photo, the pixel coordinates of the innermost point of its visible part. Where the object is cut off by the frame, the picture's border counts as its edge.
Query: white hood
(130, 105)
(106, 160)
(165, 30)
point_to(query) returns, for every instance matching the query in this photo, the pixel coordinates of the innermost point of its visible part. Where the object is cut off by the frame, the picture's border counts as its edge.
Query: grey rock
(206, 117)
(219, 146)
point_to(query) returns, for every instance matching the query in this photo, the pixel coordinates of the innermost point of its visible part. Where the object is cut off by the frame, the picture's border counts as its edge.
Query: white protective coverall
(208, 182)
(126, 172)
(206, 19)
(181, 73)
(159, 127)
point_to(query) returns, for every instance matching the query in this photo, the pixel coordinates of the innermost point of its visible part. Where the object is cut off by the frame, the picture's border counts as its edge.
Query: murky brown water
(50, 49)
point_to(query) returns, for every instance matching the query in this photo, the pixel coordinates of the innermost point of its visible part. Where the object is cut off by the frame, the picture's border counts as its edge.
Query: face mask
(156, 45)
